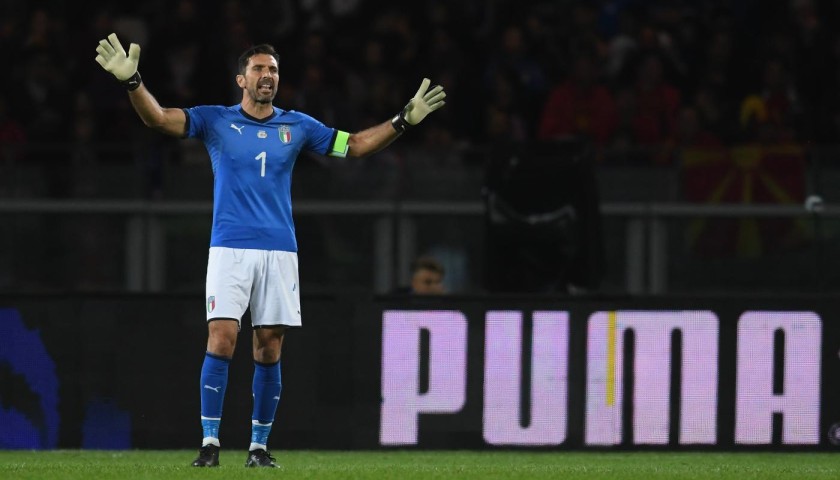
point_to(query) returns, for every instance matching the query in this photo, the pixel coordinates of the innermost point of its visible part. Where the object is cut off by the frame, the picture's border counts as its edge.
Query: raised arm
(376, 138)
(112, 57)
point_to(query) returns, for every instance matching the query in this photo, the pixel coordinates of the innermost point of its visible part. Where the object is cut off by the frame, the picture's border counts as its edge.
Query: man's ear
(240, 80)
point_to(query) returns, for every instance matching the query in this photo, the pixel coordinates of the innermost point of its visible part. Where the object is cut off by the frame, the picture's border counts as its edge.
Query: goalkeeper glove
(113, 59)
(424, 102)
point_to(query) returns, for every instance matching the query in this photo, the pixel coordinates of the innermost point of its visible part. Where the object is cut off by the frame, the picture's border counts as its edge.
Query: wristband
(399, 123)
(133, 82)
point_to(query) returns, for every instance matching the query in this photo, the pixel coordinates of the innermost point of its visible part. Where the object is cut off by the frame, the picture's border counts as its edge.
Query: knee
(267, 354)
(221, 346)
(221, 342)
(268, 342)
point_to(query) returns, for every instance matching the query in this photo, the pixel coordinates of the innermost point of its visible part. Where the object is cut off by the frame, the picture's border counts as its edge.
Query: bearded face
(261, 78)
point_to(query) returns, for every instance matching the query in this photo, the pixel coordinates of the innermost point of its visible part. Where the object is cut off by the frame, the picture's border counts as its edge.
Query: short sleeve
(319, 138)
(197, 121)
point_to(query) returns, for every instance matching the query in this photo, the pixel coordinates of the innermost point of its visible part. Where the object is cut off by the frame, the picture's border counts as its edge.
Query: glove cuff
(132, 83)
(399, 123)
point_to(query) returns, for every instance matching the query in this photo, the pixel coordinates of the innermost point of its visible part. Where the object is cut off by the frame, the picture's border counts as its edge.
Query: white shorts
(265, 280)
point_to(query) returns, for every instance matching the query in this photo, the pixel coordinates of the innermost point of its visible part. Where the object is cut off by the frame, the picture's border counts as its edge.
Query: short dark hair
(256, 50)
(427, 262)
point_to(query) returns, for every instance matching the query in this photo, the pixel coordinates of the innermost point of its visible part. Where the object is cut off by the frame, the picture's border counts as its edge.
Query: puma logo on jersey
(215, 389)
(238, 129)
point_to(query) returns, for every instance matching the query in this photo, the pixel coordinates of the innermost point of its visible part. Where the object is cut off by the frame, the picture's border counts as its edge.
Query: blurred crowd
(622, 73)
(639, 79)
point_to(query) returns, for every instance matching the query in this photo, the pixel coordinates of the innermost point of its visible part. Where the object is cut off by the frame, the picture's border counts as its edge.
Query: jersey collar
(258, 120)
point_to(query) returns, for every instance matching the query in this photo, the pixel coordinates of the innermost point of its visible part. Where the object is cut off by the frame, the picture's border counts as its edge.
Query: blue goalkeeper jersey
(252, 164)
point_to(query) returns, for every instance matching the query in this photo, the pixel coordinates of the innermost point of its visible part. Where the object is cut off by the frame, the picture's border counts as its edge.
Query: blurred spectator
(45, 97)
(716, 112)
(504, 98)
(316, 95)
(426, 277)
(43, 34)
(271, 19)
(812, 47)
(401, 41)
(512, 72)
(622, 47)
(717, 68)
(672, 34)
(582, 34)
(656, 103)
(188, 70)
(182, 70)
(372, 88)
(716, 84)
(182, 23)
(503, 125)
(580, 106)
(690, 131)
(44, 101)
(319, 82)
(84, 155)
(689, 134)
(771, 114)
(236, 39)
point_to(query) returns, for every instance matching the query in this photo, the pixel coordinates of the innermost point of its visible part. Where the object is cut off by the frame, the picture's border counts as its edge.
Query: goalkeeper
(252, 260)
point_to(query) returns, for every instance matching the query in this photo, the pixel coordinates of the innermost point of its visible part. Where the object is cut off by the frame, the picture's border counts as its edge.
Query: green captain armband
(340, 145)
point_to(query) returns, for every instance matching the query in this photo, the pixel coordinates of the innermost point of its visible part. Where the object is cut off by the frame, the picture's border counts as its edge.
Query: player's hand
(113, 58)
(424, 102)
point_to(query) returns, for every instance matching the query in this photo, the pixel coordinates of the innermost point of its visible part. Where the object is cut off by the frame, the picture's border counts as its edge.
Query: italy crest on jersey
(285, 133)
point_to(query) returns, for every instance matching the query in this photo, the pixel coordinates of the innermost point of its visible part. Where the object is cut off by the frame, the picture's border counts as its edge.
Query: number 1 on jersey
(261, 156)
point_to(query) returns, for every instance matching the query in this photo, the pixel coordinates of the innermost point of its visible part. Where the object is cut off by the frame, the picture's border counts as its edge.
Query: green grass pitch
(406, 465)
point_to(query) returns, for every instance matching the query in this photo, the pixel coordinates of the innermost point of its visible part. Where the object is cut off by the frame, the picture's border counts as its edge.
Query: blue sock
(214, 377)
(267, 388)
(259, 435)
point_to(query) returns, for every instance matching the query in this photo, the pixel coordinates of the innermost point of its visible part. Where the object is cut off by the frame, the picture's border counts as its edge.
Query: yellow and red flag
(748, 174)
